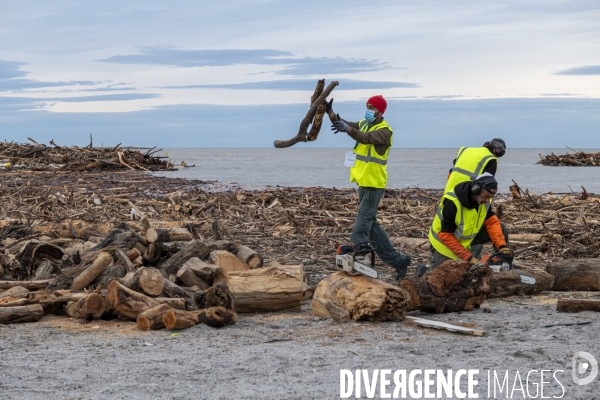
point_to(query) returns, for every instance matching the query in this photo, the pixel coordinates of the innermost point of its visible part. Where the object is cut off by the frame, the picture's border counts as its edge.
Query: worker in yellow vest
(471, 162)
(463, 219)
(368, 168)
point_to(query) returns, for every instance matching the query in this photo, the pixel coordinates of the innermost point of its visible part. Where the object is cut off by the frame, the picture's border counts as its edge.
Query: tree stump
(582, 274)
(451, 287)
(518, 282)
(342, 296)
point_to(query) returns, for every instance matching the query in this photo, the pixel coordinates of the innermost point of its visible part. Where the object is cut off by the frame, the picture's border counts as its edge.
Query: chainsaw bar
(363, 269)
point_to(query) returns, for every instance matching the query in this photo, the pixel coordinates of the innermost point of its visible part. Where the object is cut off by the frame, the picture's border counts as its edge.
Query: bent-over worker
(373, 136)
(464, 219)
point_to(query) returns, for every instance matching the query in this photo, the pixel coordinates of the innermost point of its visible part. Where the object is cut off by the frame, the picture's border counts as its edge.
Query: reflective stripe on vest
(370, 168)
(470, 163)
(475, 219)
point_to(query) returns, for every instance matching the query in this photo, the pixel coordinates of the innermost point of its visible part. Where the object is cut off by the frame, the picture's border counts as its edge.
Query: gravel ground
(286, 355)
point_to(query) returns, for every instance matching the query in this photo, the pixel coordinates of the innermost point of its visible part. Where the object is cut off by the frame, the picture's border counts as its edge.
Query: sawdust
(101, 327)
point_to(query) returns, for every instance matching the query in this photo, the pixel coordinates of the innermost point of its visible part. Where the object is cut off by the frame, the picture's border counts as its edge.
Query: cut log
(118, 238)
(189, 278)
(195, 248)
(265, 289)
(152, 253)
(15, 315)
(108, 275)
(152, 319)
(178, 303)
(519, 282)
(89, 307)
(582, 274)
(356, 297)
(250, 257)
(206, 272)
(577, 305)
(43, 270)
(170, 289)
(180, 319)
(41, 296)
(227, 262)
(92, 272)
(451, 287)
(217, 317)
(17, 291)
(148, 280)
(133, 254)
(168, 235)
(218, 295)
(31, 285)
(123, 301)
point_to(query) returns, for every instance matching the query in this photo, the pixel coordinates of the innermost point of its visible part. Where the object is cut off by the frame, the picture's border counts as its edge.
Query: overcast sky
(240, 73)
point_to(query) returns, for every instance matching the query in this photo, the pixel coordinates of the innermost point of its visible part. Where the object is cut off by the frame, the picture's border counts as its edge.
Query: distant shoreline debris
(577, 159)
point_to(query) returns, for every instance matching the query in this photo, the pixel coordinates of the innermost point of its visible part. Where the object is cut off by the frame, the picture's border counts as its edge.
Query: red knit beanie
(378, 102)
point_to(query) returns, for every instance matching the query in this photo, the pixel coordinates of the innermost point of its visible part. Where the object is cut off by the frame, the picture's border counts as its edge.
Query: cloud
(299, 84)
(10, 69)
(582, 70)
(108, 97)
(291, 65)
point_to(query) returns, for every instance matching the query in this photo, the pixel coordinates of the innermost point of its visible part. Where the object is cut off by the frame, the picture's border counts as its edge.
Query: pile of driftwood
(158, 277)
(577, 159)
(39, 157)
(296, 225)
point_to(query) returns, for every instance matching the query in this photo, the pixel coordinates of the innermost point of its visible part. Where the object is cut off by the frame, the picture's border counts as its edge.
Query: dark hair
(496, 146)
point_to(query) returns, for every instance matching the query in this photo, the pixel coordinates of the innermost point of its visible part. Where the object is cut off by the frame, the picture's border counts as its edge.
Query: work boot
(402, 266)
(421, 270)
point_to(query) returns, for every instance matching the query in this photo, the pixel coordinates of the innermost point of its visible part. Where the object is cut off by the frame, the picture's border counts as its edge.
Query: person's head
(376, 106)
(496, 146)
(483, 188)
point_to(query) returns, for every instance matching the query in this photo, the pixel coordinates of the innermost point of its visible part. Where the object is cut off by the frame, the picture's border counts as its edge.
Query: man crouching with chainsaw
(464, 221)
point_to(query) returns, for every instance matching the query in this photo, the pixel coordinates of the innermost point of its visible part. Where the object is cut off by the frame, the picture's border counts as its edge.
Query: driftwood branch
(316, 112)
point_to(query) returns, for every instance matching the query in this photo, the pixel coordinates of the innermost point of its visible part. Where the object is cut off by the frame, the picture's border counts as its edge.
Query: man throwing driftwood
(368, 168)
(463, 220)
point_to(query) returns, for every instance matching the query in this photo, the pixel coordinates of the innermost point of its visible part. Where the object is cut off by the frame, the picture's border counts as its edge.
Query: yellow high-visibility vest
(470, 163)
(370, 168)
(468, 223)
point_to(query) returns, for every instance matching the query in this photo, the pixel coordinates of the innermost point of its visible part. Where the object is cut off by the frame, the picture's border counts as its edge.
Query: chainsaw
(355, 259)
(500, 262)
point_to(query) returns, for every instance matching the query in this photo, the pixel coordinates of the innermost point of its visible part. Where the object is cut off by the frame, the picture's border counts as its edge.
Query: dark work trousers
(366, 227)
(480, 239)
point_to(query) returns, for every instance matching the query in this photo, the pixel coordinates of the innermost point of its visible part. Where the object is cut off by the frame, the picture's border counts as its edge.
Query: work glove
(474, 261)
(506, 251)
(328, 106)
(339, 126)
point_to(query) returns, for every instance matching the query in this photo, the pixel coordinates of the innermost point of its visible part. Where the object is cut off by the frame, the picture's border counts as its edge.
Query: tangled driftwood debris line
(189, 282)
(39, 157)
(577, 159)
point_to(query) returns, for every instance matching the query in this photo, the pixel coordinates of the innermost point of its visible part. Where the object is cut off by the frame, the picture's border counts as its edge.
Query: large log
(92, 272)
(168, 235)
(148, 280)
(18, 291)
(250, 257)
(356, 297)
(108, 275)
(118, 238)
(577, 305)
(227, 262)
(582, 274)
(519, 282)
(152, 319)
(217, 317)
(189, 278)
(195, 248)
(451, 287)
(14, 315)
(266, 289)
(124, 260)
(123, 301)
(152, 253)
(41, 296)
(180, 319)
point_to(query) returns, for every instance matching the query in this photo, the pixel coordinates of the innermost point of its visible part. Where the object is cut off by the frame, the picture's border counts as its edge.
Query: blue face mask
(370, 115)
